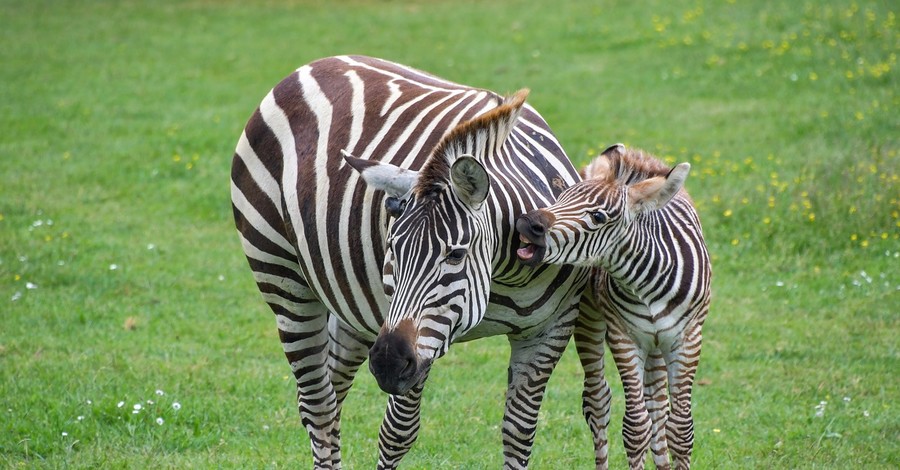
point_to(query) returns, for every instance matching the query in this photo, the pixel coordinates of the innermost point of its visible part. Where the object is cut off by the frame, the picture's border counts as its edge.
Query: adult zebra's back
(416, 254)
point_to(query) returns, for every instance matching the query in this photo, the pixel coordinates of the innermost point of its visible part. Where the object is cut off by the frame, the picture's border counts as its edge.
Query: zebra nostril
(537, 229)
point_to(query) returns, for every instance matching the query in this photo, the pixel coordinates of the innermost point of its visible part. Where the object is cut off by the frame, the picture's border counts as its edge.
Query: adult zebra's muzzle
(532, 228)
(393, 360)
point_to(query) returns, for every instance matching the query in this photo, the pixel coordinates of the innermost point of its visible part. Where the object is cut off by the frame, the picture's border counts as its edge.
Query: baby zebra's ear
(602, 165)
(656, 192)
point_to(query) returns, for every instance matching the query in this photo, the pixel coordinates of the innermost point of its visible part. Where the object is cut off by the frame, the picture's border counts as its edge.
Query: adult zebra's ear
(391, 179)
(470, 181)
(653, 193)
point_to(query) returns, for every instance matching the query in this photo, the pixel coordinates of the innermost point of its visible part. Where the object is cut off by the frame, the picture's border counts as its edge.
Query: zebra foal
(396, 254)
(632, 220)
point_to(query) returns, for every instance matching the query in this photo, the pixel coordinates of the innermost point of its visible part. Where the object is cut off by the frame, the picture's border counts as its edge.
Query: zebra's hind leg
(682, 364)
(636, 426)
(347, 351)
(400, 427)
(657, 401)
(590, 334)
(531, 362)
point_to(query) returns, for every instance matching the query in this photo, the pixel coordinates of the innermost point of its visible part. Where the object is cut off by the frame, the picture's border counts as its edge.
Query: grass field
(123, 285)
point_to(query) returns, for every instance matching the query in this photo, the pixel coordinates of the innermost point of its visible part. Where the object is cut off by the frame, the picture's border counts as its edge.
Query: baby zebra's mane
(636, 165)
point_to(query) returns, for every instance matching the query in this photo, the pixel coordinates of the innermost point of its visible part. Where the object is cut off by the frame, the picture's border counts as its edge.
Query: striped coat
(406, 246)
(632, 220)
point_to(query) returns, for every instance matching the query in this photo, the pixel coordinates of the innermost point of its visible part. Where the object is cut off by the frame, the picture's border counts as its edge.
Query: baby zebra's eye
(456, 256)
(598, 217)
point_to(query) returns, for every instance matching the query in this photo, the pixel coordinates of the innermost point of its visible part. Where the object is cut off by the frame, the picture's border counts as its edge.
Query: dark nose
(392, 360)
(533, 225)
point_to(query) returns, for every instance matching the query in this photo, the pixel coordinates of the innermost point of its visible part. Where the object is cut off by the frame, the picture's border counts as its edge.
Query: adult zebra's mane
(480, 137)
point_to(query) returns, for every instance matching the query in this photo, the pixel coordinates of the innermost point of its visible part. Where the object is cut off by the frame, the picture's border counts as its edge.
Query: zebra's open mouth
(529, 253)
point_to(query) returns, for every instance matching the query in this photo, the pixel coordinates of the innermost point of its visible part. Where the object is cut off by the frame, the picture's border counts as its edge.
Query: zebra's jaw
(530, 253)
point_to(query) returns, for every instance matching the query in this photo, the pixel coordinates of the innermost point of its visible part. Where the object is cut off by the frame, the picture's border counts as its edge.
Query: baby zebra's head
(593, 219)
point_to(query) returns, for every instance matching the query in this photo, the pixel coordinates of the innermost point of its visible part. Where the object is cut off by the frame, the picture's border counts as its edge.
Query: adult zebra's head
(591, 219)
(441, 246)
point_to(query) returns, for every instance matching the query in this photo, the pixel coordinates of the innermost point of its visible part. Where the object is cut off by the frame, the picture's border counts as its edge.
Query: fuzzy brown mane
(635, 165)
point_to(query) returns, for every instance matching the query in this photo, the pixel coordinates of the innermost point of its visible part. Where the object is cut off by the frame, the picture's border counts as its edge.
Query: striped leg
(657, 401)
(347, 351)
(531, 362)
(400, 427)
(630, 360)
(682, 364)
(305, 341)
(590, 333)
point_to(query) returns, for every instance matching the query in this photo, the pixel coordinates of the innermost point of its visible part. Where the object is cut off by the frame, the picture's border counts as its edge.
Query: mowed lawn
(132, 335)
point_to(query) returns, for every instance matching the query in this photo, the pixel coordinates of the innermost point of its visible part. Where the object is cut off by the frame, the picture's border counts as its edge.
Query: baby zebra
(631, 219)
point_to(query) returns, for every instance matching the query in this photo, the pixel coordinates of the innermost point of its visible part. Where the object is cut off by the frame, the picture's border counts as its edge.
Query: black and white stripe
(632, 220)
(424, 211)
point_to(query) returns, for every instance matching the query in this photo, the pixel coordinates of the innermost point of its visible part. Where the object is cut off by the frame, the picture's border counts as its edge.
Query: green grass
(119, 121)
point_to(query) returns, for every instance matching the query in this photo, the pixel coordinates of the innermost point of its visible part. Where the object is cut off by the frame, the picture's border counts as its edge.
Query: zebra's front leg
(532, 360)
(657, 401)
(636, 426)
(590, 334)
(400, 427)
(347, 351)
(305, 341)
(682, 364)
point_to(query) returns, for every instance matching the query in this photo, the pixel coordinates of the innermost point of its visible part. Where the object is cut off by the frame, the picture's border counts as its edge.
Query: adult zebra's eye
(598, 217)
(456, 256)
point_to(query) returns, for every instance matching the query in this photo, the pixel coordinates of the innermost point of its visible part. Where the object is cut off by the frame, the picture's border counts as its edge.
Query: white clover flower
(151, 246)
(80, 418)
(866, 413)
(89, 402)
(64, 434)
(120, 404)
(16, 296)
(176, 406)
(31, 286)
(846, 399)
(820, 409)
(113, 267)
(160, 393)
(159, 421)
(137, 406)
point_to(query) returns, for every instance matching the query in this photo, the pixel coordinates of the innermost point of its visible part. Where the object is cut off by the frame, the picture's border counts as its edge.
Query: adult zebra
(446, 169)
(631, 219)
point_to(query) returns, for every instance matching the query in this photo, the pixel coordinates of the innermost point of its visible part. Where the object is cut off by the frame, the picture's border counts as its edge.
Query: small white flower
(120, 404)
(265, 427)
(866, 413)
(151, 246)
(820, 409)
(37, 223)
(176, 406)
(89, 402)
(159, 421)
(134, 412)
(31, 286)
(779, 284)
(81, 418)
(846, 399)
(160, 393)
(149, 402)
(16, 296)
(137, 406)
(221, 277)
(64, 434)
(60, 263)
(113, 267)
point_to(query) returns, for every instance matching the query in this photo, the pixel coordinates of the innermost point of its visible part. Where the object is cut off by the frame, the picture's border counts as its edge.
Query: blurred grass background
(122, 282)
